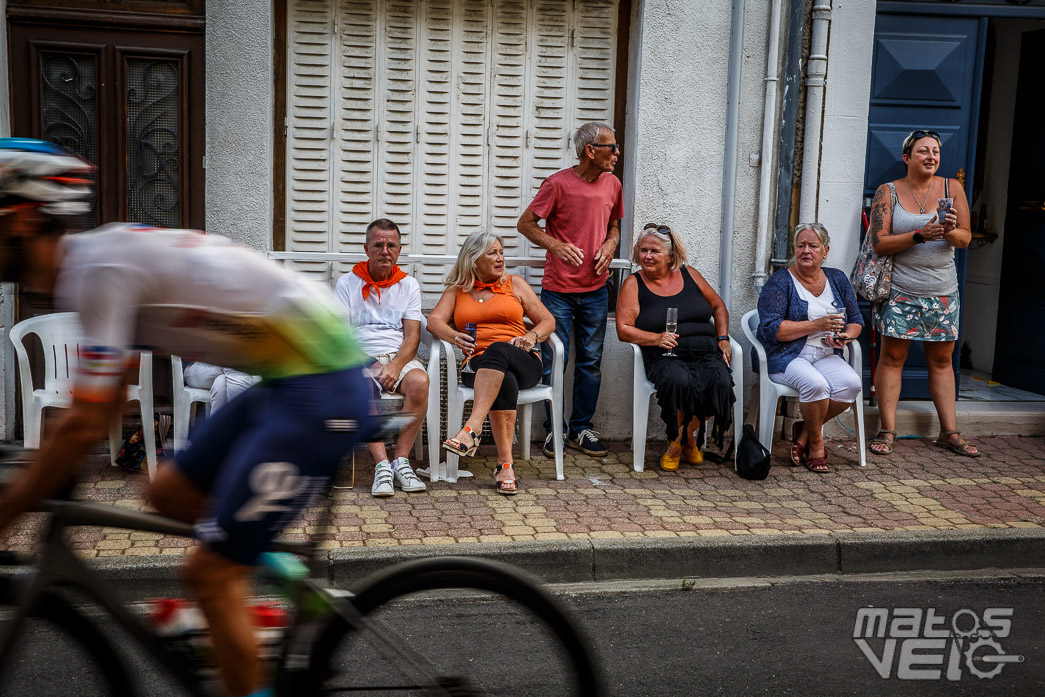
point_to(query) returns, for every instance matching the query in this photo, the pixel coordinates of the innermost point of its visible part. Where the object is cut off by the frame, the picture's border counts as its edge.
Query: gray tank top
(924, 269)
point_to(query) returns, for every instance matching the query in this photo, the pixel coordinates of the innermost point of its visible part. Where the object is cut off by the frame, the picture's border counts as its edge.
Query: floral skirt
(918, 317)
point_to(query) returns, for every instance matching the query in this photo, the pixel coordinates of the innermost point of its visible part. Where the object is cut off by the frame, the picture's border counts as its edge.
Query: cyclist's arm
(60, 454)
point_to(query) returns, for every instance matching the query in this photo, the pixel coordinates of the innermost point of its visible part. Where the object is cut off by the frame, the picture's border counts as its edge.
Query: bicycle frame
(58, 566)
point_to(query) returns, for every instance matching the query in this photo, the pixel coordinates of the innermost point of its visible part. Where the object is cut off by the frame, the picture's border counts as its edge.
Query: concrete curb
(576, 561)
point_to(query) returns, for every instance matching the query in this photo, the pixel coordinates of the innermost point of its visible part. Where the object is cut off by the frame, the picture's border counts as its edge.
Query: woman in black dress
(695, 383)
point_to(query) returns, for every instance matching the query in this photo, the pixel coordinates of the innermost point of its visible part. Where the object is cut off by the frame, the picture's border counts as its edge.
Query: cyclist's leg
(181, 491)
(285, 454)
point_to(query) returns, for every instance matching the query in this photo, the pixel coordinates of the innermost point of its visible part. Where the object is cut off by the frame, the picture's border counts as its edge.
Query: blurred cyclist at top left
(250, 468)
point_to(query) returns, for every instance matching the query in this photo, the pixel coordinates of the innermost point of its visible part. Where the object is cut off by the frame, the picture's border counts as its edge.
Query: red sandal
(507, 486)
(798, 451)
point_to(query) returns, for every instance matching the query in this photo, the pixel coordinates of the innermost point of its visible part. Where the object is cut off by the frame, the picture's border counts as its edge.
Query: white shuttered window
(443, 115)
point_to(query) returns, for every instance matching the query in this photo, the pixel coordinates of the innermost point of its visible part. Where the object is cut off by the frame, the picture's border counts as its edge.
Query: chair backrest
(59, 336)
(749, 324)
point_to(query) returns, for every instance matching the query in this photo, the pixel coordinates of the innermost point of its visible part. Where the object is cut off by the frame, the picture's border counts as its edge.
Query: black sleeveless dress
(697, 382)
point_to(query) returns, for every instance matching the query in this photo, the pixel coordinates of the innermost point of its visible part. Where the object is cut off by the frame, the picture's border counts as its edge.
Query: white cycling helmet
(37, 172)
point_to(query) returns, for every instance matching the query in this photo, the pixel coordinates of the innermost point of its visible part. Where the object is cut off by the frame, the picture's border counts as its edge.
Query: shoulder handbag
(752, 456)
(872, 276)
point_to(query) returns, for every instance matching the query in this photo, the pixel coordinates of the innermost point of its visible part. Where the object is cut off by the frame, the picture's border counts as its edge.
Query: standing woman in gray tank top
(923, 301)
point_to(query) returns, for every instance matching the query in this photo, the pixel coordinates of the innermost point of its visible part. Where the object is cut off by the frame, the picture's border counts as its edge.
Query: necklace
(921, 206)
(817, 286)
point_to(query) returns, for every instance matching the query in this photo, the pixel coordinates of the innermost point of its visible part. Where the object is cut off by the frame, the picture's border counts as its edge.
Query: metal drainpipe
(816, 77)
(729, 169)
(769, 139)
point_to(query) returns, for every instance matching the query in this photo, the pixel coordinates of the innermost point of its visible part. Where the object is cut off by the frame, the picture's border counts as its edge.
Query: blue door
(1019, 359)
(926, 74)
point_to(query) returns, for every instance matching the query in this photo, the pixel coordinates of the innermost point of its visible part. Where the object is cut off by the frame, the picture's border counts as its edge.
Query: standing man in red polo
(582, 207)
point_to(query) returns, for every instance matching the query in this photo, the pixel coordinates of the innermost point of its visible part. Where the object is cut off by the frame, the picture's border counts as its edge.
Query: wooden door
(927, 73)
(129, 101)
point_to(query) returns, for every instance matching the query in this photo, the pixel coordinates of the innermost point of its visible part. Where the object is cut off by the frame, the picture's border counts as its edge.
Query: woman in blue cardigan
(806, 315)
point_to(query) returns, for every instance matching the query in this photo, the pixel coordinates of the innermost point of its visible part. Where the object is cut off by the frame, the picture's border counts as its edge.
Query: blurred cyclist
(250, 468)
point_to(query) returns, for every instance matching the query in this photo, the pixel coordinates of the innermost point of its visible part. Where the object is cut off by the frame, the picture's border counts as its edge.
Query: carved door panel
(130, 102)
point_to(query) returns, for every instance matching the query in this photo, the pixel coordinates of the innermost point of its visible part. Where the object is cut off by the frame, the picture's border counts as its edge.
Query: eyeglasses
(614, 148)
(390, 246)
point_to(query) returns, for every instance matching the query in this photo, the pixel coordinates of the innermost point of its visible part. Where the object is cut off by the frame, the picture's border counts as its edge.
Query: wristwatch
(918, 237)
(723, 338)
(536, 336)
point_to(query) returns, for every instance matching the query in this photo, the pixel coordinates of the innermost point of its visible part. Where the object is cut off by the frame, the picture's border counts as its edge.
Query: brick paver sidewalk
(918, 487)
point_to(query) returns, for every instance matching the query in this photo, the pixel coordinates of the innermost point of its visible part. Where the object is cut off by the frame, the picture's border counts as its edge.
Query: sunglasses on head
(661, 228)
(910, 140)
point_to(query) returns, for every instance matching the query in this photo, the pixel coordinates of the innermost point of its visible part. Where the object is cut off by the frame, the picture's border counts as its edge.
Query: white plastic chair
(185, 399)
(60, 336)
(458, 394)
(770, 392)
(432, 414)
(643, 389)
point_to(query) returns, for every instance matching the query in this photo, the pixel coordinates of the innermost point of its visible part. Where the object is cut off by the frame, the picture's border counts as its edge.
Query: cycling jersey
(261, 457)
(198, 296)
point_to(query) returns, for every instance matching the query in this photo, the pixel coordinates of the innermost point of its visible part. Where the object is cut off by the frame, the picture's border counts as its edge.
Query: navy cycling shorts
(265, 454)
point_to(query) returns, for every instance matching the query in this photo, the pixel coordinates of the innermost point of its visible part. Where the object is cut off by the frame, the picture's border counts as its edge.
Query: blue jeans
(582, 315)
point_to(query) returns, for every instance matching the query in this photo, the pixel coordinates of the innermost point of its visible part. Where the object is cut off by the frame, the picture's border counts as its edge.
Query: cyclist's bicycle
(365, 641)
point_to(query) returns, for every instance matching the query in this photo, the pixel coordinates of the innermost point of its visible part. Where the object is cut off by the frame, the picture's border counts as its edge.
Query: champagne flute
(839, 310)
(472, 330)
(671, 325)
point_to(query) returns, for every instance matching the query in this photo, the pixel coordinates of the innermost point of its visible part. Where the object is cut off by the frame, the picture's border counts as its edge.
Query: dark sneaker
(549, 446)
(587, 441)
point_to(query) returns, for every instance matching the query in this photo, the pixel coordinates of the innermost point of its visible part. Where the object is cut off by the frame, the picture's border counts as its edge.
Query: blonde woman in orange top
(505, 356)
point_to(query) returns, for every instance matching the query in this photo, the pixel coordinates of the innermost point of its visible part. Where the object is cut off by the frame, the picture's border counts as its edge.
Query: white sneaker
(405, 478)
(382, 480)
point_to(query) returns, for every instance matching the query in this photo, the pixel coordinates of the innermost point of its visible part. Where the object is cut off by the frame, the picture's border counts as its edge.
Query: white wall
(239, 121)
(983, 274)
(844, 147)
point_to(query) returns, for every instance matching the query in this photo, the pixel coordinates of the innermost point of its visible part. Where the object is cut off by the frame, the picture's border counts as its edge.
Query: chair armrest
(558, 376)
(856, 359)
(451, 365)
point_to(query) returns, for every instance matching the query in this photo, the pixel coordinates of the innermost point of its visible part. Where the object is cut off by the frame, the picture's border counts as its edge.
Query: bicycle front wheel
(59, 651)
(468, 626)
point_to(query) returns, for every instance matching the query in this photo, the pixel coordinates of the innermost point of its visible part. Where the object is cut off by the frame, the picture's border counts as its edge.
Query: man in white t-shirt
(384, 304)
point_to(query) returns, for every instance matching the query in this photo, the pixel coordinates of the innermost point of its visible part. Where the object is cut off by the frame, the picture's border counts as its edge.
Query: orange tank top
(498, 318)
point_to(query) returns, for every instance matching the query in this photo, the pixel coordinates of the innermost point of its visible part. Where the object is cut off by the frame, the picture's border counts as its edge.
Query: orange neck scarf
(363, 271)
(495, 287)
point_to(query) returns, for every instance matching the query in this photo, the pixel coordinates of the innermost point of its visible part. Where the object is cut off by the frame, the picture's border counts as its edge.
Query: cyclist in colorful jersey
(249, 469)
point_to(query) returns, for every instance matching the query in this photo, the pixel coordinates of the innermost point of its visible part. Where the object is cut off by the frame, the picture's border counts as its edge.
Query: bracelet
(723, 338)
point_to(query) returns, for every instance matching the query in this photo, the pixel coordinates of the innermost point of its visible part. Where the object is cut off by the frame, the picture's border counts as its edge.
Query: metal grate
(153, 135)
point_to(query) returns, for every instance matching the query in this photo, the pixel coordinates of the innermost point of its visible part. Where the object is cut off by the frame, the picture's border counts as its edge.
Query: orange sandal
(507, 486)
(457, 447)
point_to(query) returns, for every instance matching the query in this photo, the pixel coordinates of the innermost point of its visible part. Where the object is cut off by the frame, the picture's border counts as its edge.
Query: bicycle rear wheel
(59, 652)
(512, 639)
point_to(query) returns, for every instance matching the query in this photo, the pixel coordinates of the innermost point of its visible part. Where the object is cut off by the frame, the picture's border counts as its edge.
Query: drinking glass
(839, 310)
(671, 325)
(471, 329)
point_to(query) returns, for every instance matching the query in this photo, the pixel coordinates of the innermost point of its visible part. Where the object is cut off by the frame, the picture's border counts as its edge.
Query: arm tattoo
(878, 209)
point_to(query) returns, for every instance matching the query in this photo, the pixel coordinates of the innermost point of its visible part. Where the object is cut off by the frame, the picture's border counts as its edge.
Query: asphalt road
(734, 637)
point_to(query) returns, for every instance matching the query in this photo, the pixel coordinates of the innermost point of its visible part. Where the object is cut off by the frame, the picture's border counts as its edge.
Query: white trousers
(817, 373)
(224, 383)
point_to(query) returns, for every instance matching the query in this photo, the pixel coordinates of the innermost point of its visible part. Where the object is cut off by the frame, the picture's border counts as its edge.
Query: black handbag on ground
(752, 456)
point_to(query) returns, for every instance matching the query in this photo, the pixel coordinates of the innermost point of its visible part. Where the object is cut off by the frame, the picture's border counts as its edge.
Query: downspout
(729, 168)
(816, 77)
(769, 139)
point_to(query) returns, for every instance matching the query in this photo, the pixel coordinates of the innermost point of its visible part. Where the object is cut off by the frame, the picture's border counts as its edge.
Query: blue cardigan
(780, 300)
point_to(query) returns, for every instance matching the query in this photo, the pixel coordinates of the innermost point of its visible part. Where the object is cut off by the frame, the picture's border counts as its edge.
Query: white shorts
(385, 359)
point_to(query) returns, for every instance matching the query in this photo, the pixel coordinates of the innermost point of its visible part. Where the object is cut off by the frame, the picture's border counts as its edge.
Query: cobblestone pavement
(918, 487)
